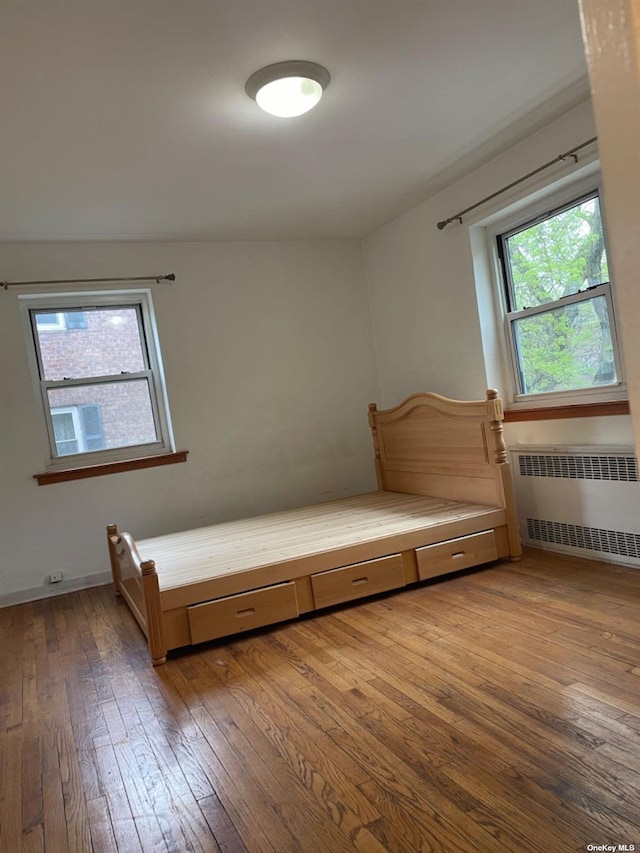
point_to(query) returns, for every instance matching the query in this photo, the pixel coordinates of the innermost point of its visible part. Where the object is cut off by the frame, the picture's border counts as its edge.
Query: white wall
(572, 431)
(427, 324)
(269, 363)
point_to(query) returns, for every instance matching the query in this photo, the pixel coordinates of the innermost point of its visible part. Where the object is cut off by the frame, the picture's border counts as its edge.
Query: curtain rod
(156, 278)
(572, 153)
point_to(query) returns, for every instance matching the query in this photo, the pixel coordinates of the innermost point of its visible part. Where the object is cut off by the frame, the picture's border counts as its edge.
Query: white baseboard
(49, 590)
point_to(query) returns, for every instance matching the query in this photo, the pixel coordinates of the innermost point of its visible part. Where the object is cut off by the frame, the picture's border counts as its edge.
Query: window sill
(580, 410)
(110, 468)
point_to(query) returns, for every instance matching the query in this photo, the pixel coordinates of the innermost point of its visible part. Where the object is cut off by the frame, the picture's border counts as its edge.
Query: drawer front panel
(358, 580)
(237, 613)
(434, 560)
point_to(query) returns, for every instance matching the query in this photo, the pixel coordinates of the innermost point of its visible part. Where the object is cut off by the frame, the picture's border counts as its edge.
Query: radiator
(579, 500)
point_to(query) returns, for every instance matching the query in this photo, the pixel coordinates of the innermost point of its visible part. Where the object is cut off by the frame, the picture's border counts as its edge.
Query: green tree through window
(559, 300)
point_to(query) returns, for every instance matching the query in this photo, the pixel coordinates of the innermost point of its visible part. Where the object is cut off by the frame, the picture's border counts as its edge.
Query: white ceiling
(127, 119)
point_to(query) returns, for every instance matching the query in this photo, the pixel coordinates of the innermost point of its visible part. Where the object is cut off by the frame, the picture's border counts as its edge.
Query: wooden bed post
(376, 447)
(496, 415)
(153, 612)
(112, 531)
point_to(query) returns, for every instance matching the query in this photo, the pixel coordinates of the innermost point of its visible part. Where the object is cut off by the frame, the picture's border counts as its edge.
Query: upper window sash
(36, 330)
(504, 255)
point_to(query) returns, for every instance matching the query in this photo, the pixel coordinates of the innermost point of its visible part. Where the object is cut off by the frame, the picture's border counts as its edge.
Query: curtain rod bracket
(444, 222)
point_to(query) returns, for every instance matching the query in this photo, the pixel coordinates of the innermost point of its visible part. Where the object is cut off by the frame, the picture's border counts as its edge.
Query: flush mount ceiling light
(288, 89)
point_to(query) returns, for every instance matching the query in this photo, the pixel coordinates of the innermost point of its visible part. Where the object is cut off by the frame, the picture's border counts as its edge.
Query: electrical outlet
(55, 577)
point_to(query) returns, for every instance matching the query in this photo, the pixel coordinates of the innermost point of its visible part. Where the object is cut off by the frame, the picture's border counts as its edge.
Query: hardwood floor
(498, 710)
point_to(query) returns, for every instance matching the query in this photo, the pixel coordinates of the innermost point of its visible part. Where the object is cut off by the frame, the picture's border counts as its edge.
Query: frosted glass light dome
(290, 96)
(288, 89)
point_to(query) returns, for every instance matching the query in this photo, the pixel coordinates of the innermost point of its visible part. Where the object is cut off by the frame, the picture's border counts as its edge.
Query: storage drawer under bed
(455, 554)
(236, 613)
(358, 580)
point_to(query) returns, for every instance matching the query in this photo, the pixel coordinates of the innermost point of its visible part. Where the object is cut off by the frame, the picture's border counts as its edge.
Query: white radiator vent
(579, 467)
(579, 500)
(589, 538)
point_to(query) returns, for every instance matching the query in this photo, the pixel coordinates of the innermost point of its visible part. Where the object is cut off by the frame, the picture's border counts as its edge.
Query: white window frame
(67, 302)
(526, 214)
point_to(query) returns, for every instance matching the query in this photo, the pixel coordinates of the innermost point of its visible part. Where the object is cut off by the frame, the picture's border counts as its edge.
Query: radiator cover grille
(591, 538)
(579, 466)
(582, 499)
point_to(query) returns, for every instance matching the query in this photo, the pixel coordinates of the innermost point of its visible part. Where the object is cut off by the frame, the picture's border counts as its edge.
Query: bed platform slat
(444, 502)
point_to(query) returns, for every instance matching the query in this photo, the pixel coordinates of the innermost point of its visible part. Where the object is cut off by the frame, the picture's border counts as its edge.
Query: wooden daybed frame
(445, 502)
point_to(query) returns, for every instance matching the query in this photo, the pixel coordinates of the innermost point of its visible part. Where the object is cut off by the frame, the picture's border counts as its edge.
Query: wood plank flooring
(498, 710)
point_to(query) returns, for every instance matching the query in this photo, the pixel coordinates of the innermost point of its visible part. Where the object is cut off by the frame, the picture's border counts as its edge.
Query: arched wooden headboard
(430, 445)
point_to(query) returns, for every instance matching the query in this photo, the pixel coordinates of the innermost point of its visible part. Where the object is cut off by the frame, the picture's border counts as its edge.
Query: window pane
(566, 348)
(64, 431)
(125, 412)
(95, 342)
(63, 427)
(47, 320)
(557, 257)
(66, 448)
(75, 320)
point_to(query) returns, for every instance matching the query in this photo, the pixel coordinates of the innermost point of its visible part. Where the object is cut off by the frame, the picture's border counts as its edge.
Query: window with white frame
(560, 315)
(96, 364)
